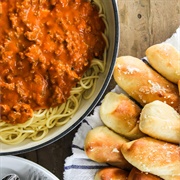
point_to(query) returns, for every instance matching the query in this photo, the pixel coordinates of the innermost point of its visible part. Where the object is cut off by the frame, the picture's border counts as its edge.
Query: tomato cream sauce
(45, 48)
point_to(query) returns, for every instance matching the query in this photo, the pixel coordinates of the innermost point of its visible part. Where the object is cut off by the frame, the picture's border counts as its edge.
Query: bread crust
(166, 60)
(111, 173)
(104, 146)
(121, 114)
(136, 174)
(153, 156)
(143, 83)
(160, 121)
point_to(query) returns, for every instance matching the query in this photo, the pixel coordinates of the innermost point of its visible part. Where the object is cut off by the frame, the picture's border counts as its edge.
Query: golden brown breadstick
(166, 60)
(136, 174)
(104, 146)
(144, 84)
(121, 114)
(161, 121)
(111, 173)
(153, 156)
(171, 177)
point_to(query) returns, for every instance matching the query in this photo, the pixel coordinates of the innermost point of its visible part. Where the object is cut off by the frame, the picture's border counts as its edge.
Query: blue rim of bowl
(96, 100)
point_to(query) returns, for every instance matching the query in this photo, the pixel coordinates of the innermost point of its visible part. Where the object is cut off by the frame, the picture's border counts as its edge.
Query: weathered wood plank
(134, 27)
(164, 19)
(146, 22)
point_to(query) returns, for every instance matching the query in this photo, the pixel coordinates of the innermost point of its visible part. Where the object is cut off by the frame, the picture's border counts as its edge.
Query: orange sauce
(45, 48)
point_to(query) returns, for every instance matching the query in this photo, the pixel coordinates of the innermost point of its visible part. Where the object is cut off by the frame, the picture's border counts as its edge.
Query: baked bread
(143, 83)
(104, 146)
(121, 114)
(111, 173)
(153, 156)
(161, 121)
(171, 177)
(166, 60)
(136, 174)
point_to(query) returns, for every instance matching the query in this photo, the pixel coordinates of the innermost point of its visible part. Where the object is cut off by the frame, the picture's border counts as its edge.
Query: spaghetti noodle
(38, 126)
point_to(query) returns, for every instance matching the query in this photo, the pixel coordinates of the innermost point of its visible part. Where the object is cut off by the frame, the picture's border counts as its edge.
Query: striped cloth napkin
(79, 166)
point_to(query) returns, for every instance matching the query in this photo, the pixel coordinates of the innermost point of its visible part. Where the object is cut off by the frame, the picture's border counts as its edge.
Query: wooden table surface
(143, 23)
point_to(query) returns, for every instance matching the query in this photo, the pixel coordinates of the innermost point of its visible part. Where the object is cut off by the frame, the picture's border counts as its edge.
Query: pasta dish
(51, 55)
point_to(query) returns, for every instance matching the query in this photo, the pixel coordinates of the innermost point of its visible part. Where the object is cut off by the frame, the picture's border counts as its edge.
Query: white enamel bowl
(111, 9)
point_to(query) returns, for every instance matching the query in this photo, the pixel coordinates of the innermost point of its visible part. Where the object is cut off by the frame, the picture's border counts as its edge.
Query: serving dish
(86, 106)
(25, 169)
